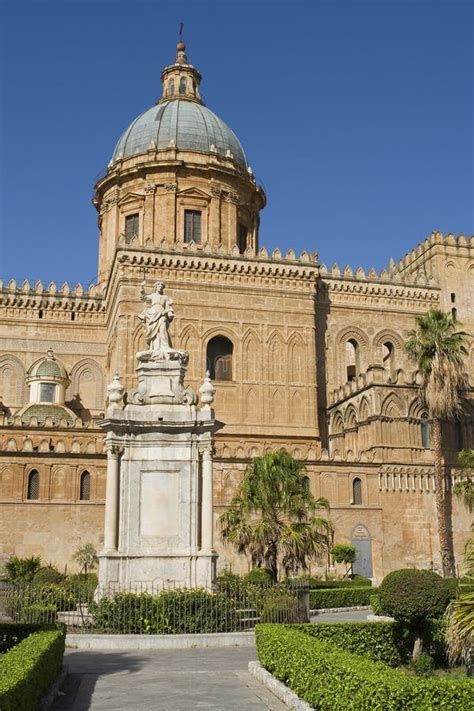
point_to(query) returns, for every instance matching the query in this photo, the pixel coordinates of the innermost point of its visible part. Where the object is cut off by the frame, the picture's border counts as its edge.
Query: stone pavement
(168, 680)
(353, 616)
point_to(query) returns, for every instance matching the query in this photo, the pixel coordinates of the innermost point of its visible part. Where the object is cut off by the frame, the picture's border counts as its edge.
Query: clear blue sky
(356, 116)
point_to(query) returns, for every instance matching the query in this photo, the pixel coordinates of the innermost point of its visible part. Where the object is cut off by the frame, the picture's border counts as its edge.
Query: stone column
(111, 499)
(207, 524)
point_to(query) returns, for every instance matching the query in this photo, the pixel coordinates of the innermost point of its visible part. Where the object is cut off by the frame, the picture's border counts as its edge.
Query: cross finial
(181, 26)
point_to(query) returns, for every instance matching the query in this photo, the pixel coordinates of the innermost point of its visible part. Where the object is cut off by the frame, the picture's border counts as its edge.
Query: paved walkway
(168, 680)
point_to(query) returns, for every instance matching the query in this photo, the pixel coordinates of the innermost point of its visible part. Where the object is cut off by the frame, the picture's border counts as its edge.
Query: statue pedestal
(158, 518)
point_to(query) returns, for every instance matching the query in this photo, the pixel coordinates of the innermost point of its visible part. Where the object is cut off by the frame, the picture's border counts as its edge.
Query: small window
(454, 314)
(219, 358)
(425, 433)
(453, 297)
(85, 487)
(47, 392)
(305, 483)
(192, 226)
(357, 492)
(131, 227)
(33, 485)
(352, 359)
(242, 238)
(182, 85)
(40, 313)
(171, 87)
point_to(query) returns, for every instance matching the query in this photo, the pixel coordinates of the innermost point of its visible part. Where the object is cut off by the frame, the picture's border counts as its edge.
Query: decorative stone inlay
(170, 187)
(150, 188)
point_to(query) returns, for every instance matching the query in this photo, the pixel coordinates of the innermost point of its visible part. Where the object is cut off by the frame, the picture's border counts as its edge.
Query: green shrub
(39, 614)
(413, 596)
(27, 670)
(374, 602)
(279, 607)
(170, 612)
(361, 581)
(259, 576)
(20, 571)
(342, 597)
(13, 633)
(228, 582)
(38, 595)
(423, 666)
(379, 641)
(356, 582)
(331, 679)
(82, 587)
(48, 575)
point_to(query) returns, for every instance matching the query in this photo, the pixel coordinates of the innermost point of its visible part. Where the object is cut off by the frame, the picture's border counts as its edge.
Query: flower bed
(340, 597)
(330, 678)
(28, 669)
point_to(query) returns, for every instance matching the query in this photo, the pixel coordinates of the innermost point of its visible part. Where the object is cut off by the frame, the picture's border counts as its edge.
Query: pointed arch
(364, 410)
(87, 385)
(252, 406)
(59, 483)
(6, 483)
(277, 413)
(350, 417)
(276, 357)
(190, 342)
(85, 486)
(337, 423)
(251, 357)
(297, 360)
(33, 485)
(296, 408)
(12, 381)
(392, 406)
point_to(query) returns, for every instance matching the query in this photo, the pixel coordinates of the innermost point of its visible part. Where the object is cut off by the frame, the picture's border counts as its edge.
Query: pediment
(194, 192)
(131, 197)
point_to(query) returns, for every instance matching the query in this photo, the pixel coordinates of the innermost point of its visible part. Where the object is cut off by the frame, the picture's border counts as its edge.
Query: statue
(156, 318)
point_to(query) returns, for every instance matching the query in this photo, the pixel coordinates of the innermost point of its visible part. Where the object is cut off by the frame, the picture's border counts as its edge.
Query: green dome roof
(41, 412)
(49, 368)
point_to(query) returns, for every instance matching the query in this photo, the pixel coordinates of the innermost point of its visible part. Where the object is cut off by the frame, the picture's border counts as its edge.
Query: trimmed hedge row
(339, 597)
(27, 670)
(329, 678)
(379, 641)
(13, 634)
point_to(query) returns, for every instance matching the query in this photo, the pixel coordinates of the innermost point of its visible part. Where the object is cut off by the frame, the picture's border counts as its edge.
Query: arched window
(305, 482)
(357, 491)
(33, 485)
(352, 359)
(219, 358)
(171, 87)
(425, 433)
(182, 85)
(388, 356)
(85, 487)
(454, 314)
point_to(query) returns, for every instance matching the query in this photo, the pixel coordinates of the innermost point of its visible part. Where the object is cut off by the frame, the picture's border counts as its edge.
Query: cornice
(51, 297)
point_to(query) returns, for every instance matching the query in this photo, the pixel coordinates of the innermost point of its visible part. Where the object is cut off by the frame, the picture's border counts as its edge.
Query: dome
(41, 412)
(186, 125)
(49, 368)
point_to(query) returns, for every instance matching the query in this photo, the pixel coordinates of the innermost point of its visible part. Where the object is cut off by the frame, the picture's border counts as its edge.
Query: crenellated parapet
(62, 301)
(460, 243)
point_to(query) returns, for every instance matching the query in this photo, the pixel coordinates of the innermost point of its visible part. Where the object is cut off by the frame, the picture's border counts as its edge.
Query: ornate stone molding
(150, 188)
(170, 187)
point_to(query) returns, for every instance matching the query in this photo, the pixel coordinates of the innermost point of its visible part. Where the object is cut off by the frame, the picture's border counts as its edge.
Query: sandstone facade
(302, 356)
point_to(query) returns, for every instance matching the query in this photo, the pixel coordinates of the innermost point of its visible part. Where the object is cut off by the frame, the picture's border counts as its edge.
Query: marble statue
(156, 318)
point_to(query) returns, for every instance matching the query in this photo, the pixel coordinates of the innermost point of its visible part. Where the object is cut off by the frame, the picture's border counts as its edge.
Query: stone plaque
(159, 504)
(360, 533)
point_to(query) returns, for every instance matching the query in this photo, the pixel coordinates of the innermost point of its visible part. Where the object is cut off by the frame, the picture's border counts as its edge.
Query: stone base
(152, 573)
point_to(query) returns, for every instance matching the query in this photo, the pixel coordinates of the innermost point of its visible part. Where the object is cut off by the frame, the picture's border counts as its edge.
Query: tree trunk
(447, 560)
(272, 561)
(417, 648)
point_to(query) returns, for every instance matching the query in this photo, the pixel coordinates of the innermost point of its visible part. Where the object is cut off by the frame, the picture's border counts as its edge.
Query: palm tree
(273, 516)
(464, 489)
(439, 350)
(460, 615)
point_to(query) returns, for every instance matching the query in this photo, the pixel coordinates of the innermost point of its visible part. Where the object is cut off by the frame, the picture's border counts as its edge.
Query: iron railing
(144, 608)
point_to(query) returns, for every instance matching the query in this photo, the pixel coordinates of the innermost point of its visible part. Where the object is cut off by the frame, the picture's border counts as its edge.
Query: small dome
(41, 412)
(186, 125)
(49, 368)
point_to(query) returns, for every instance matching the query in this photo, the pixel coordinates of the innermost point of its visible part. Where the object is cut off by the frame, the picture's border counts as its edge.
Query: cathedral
(302, 356)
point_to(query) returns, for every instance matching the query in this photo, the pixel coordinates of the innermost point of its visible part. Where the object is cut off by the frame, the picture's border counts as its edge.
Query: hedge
(380, 641)
(27, 670)
(12, 634)
(330, 678)
(339, 597)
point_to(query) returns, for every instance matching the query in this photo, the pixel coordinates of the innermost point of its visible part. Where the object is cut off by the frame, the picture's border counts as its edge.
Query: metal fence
(142, 608)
